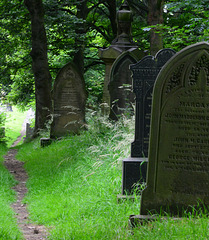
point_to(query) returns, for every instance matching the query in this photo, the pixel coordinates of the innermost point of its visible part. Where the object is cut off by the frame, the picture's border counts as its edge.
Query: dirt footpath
(30, 231)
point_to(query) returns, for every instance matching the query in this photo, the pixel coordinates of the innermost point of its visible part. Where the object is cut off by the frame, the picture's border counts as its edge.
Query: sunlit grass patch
(13, 125)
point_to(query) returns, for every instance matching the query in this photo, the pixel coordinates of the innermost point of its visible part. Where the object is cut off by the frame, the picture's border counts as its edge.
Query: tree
(155, 17)
(187, 22)
(40, 64)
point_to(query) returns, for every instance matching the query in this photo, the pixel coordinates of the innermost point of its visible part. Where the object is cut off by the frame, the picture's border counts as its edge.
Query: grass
(13, 125)
(73, 186)
(8, 224)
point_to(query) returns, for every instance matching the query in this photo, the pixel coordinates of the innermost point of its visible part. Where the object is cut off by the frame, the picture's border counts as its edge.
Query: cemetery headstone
(144, 75)
(178, 166)
(120, 85)
(69, 99)
(123, 42)
(29, 131)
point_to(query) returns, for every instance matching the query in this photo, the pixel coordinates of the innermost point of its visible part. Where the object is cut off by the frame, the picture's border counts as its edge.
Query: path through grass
(73, 186)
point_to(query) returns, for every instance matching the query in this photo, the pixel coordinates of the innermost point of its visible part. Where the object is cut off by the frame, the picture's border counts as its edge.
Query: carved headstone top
(69, 98)
(144, 75)
(120, 85)
(178, 168)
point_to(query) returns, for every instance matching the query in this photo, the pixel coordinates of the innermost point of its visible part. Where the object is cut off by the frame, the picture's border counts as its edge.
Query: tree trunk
(80, 29)
(155, 16)
(40, 65)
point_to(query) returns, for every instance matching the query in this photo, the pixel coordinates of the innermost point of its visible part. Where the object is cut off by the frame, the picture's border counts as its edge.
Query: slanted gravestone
(178, 170)
(69, 99)
(120, 85)
(144, 75)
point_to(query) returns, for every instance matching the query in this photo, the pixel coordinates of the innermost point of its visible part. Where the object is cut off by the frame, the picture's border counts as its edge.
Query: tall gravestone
(69, 99)
(123, 42)
(178, 167)
(120, 85)
(144, 74)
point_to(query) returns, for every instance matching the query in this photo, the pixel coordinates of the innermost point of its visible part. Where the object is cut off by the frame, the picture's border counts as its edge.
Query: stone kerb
(178, 166)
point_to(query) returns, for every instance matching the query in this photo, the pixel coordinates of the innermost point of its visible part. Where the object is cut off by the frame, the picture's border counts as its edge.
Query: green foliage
(14, 37)
(186, 23)
(13, 125)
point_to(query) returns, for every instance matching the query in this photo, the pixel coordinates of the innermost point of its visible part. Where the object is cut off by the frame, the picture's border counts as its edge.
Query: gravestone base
(121, 197)
(140, 220)
(45, 142)
(134, 172)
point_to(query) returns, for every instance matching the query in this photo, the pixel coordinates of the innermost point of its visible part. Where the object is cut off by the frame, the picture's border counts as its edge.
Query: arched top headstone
(69, 98)
(120, 85)
(125, 59)
(178, 168)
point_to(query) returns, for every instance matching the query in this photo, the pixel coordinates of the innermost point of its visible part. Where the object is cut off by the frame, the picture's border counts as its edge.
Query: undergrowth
(73, 186)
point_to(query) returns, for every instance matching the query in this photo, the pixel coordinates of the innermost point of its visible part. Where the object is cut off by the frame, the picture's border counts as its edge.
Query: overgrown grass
(73, 186)
(8, 224)
(13, 125)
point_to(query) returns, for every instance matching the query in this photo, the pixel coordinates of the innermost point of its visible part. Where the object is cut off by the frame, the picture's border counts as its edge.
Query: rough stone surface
(69, 97)
(178, 165)
(120, 85)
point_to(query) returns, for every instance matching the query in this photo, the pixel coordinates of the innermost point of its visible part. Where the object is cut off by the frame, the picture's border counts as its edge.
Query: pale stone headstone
(69, 99)
(178, 165)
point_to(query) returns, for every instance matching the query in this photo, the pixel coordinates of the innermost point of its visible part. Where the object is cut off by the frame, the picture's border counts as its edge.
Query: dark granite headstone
(69, 99)
(178, 166)
(120, 86)
(144, 75)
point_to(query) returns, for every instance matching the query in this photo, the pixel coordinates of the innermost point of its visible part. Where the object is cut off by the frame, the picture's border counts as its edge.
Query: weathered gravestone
(69, 99)
(144, 75)
(121, 95)
(123, 42)
(178, 167)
